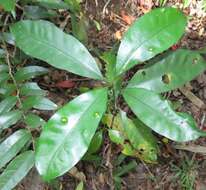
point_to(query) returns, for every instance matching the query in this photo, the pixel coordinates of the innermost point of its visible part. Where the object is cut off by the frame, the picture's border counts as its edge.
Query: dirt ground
(114, 17)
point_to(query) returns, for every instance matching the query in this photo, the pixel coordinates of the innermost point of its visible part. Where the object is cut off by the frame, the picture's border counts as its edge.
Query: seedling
(65, 138)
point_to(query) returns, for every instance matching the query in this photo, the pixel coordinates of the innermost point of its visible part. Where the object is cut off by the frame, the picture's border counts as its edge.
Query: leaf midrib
(156, 111)
(145, 41)
(66, 136)
(62, 52)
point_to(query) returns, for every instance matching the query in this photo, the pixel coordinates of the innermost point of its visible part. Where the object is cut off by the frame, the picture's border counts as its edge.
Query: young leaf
(68, 133)
(29, 72)
(12, 145)
(10, 118)
(171, 72)
(43, 40)
(34, 121)
(159, 116)
(16, 170)
(7, 104)
(8, 5)
(150, 35)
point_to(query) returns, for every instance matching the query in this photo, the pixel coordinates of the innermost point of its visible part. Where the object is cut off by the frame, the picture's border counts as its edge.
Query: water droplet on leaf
(96, 114)
(64, 120)
(150, 49)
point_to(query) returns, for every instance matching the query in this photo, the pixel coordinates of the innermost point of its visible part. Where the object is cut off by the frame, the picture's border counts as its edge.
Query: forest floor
(180, 166)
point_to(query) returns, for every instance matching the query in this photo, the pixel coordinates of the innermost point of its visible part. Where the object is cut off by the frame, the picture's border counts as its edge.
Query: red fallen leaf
(65, 84)
(174, 47)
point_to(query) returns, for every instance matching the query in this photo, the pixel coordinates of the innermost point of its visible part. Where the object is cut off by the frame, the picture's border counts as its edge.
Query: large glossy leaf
(29, 72)
(68, 133)
(151, 34)
(12, 145)
(159, 116)
(43, 40)
(16, 170)
(7, 104)
(10, 118)
(171, 72)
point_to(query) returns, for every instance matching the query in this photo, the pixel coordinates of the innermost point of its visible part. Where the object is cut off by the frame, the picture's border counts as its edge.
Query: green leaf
(68, 133)
(7, 37)
(80, 186)
(171, 72)
(36, 12)
(34, 121)
(31, 89)
(16, 170)
(116, 136)
(96, 143)
(12, 145)
(140, 138)
(7, 104)
(109, 58)
(159, 116)
(60, 50)
(74, 5)
(7, 89)
(38, 102)
(150, 35)
(29, 72)
(4, 77)
(79, 28)
(3, 68)
(8, 5)
(53, 4)
(10, 118)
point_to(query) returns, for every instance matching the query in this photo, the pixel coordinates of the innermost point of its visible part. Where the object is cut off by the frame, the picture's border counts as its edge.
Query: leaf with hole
(68, 133)
(140, 138)
(157, 114)
(150, 35)
(171, 72)
(58, 49)
(12, 145)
